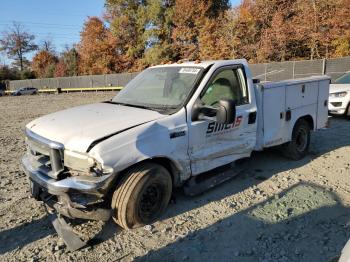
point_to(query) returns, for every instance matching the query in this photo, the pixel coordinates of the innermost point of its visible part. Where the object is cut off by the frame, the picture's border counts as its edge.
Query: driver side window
(229, 84)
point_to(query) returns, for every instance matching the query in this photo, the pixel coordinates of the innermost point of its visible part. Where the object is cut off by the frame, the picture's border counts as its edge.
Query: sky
(59, 21)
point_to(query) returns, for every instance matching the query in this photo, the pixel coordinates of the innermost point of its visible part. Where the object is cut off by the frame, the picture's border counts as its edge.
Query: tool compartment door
(274, 104)
(303, 94)
(322, 106)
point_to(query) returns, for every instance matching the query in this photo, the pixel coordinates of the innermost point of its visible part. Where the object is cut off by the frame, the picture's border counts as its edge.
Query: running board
(203, 182)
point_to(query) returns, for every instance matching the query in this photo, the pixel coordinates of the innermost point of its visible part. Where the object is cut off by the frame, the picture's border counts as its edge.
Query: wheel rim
(150, 202)
(301, 140)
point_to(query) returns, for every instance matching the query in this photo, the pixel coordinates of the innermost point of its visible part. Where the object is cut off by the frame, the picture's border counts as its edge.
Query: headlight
(78, 161)
(338, 94)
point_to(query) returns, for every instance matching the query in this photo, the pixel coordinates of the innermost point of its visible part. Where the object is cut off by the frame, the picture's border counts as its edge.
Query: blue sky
(59, 21)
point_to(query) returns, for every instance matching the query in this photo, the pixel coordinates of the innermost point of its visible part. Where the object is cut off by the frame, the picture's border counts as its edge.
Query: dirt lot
(277, 210)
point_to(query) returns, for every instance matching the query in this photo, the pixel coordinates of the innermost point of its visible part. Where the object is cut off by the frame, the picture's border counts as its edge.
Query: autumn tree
(68, 64)
(198, 31)
(322, 26)
(158, 32)
(44, 64)
(16, 43)
(127, 20)
(214, 38)
(48, 45)
(97, 48)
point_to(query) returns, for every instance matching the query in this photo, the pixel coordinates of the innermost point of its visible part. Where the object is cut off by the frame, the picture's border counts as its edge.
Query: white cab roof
(205, 64)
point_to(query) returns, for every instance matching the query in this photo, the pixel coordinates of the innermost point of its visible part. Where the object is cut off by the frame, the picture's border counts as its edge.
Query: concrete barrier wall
(265, 72)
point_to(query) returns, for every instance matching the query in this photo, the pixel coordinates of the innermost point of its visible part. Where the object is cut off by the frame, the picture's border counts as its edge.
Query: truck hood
(333, 88)
(78, 127)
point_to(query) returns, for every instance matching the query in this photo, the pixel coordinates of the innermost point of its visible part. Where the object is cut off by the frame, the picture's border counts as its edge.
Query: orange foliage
(61, 69)
(97, 48)
(43, 64)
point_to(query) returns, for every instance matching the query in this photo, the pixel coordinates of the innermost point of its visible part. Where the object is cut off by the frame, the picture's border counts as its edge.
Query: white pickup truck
(170, 126)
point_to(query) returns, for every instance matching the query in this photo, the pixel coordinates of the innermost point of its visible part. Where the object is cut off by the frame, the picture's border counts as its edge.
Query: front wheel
(142, 195)
(347, 113)
(298, 147)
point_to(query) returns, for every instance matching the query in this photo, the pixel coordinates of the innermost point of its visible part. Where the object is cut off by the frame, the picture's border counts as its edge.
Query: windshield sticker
(189, 70)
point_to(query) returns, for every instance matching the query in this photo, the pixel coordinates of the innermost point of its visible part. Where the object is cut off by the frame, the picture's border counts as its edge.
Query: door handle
(288, 115)
(252, 118)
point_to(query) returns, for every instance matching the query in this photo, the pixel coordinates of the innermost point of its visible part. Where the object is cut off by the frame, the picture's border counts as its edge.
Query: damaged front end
(71, 184)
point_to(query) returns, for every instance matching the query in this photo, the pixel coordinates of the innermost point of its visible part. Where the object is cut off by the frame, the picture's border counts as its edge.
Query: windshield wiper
(130, 105)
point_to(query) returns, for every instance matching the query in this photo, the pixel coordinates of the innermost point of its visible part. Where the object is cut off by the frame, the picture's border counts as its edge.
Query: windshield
(344, 79)
(159, 88)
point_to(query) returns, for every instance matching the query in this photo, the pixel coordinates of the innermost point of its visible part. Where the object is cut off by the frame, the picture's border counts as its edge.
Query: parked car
(25, 91)
(167, 128)
(339, 97)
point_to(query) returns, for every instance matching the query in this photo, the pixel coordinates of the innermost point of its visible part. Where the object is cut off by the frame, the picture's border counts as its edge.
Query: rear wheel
(142, 195)
(298, 147)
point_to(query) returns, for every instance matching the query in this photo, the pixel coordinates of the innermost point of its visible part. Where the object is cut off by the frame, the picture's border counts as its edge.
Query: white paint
(194, 151)
(345, 101)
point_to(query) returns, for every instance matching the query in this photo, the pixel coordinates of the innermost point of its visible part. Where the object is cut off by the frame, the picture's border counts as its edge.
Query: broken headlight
(78, 161)
(85, 163)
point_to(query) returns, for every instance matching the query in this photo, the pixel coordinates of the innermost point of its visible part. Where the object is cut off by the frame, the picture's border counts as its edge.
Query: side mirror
(224, 113)
(256, 81)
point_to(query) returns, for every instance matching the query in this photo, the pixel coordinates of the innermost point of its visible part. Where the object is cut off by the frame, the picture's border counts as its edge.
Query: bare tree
(48, 46)
(16, 43)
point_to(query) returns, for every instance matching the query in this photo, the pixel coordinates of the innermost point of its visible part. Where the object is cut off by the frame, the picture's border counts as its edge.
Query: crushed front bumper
(97, 186)
(73, 197)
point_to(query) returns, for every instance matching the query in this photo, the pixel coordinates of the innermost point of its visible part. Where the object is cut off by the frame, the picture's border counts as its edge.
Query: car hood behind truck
(78, 127)
(333, 88)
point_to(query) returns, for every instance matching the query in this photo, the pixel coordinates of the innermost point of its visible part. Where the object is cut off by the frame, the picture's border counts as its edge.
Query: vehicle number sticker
(189, 70)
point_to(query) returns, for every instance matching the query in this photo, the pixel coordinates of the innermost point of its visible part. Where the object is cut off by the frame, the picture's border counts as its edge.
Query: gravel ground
(277, 210)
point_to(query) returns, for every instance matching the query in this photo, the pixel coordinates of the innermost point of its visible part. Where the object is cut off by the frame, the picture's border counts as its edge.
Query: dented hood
(77, 128)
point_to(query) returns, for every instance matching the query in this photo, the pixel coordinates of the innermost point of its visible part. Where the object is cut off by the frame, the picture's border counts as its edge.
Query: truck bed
(281, 104)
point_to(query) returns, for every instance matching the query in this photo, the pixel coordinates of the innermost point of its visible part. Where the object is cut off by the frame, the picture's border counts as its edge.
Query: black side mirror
(224, 113)
(256, 81)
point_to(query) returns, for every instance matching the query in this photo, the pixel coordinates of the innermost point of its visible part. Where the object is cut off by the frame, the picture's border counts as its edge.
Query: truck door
(211, 144)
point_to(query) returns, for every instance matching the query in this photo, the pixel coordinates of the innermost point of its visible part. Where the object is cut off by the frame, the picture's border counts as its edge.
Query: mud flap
(71, 239)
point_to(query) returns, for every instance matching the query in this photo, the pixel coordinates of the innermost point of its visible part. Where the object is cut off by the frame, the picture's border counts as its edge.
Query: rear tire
(298, 147)
(142, 195)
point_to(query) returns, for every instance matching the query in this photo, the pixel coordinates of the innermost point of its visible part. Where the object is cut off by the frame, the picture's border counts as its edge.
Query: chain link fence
(265, 72)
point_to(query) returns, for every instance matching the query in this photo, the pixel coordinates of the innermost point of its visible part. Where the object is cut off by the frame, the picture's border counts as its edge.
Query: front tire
(142, 195)
(347, 113)
(298, 147)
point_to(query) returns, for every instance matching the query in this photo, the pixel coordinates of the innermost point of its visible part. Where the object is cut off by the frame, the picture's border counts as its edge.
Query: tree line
(133, 35)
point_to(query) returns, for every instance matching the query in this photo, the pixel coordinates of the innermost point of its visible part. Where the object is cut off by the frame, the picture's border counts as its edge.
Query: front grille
(45, 155)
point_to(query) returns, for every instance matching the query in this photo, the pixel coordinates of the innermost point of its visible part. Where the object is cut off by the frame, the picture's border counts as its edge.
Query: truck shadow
(262, 166)
(304, 223)
(25, 234)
